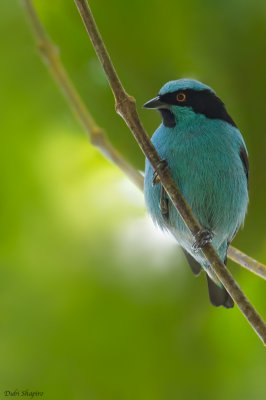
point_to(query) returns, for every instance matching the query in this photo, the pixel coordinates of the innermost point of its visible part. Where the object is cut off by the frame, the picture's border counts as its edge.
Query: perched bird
(208, 160)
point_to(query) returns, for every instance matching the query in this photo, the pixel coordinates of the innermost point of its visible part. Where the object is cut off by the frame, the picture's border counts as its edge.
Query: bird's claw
(155, 179)
(203, 237)
(161, 164)
(164, 204)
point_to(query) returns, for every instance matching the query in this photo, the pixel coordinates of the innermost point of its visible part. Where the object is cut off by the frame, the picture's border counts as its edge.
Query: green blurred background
(95, 303)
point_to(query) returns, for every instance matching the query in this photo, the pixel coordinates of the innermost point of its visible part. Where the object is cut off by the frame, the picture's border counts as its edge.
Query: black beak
(155, 103)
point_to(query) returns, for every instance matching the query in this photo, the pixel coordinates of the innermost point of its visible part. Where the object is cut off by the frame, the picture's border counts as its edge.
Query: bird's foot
(203, 237)
(161, 164)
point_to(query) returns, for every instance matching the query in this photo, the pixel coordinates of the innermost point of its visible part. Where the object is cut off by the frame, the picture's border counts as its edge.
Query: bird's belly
(214, 188)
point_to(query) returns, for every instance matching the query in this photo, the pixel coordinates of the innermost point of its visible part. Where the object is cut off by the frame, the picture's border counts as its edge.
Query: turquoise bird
(208, 160)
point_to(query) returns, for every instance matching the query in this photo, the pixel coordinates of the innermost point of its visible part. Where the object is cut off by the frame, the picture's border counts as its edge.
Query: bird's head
(185, 98)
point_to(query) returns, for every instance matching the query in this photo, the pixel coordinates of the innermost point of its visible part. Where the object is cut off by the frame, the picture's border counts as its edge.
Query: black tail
(219, 296)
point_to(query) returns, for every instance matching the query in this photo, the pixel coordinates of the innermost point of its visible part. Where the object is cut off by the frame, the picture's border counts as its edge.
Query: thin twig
(247, 262)
(96, 134)
(125, 106)
(66, 86)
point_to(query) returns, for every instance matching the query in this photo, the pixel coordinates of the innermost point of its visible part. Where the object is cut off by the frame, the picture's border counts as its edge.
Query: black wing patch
(244, 158)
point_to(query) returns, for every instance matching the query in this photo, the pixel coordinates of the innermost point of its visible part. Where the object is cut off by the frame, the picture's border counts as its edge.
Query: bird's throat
(169, 120)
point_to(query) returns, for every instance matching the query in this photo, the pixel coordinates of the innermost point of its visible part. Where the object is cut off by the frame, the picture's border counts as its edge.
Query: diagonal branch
(125, 106)
(96, 134)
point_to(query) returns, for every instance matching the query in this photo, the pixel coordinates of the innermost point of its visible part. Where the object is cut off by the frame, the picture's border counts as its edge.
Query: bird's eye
(181, 97)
